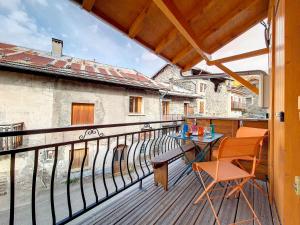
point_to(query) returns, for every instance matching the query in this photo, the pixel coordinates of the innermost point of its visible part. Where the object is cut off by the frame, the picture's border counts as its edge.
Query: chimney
(57, 46)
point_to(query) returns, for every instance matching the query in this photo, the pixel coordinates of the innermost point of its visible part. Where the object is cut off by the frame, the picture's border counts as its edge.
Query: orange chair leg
(206, 190)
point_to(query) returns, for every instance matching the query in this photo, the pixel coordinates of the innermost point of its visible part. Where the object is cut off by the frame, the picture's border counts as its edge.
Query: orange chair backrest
(235, 147)
(251, 132)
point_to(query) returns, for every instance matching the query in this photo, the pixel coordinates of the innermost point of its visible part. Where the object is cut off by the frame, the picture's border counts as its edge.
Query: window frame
(142, 105)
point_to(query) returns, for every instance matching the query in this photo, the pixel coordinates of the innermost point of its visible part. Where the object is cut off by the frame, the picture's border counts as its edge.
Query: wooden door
(278, 94)
(166, 108)
(82, 113)
(78, 158)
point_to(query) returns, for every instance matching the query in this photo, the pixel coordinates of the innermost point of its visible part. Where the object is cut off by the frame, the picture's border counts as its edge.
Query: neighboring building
(45, 90)
(211, 97)
(217, 94)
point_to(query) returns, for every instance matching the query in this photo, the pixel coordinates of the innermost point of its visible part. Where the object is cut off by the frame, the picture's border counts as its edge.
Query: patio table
(201, 152)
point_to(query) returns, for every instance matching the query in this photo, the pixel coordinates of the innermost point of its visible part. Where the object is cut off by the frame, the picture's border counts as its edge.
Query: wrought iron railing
(172, 117)
(238, 105)
(80, 173)
(12, 141)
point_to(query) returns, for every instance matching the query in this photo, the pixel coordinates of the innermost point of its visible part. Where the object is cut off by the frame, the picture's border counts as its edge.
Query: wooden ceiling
(211, 23)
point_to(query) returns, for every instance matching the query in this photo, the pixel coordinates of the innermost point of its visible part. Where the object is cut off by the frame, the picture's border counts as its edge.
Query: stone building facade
(210, 101)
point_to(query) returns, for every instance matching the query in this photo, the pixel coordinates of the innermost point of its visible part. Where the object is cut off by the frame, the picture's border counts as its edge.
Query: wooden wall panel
(291, 78)
(285, 136)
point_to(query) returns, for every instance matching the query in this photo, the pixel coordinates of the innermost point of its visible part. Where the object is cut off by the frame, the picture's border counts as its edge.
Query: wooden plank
(192, 14)
(151, 210)
(180, 205)
(88, 4)
(182, 54)
(206, 216)
(243, 210)
(238, 78)
(245, 55)
(193, 211)
(136, 194)
(228, 204)
(262, 205)
(173, 14)
(137, 24)
(167, 39)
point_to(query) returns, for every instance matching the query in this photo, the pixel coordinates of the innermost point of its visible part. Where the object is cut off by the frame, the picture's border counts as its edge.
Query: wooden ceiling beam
(240, 56)
(238, 78)
(174, 16)
(136, 26)
(88, 4)
(197, 10)
(182, 54)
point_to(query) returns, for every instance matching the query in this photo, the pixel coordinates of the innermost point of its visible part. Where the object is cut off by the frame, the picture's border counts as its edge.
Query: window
(165, 107)
(202, 87)
(201, 107)
(78, 158)
(135, 104)
(82, 113)
(249, 101)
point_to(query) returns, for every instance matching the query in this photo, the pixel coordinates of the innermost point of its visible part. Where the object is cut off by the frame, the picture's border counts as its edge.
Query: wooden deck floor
(155, 206)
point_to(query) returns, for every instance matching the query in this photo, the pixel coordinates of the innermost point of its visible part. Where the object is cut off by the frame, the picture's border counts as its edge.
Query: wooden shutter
(78, 158)
(139, 104)
(82, 113)
(201, 107)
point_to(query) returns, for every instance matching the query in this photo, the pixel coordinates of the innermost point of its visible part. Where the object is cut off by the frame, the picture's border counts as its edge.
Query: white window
(249, 100)
(136, 104)
(202, 87)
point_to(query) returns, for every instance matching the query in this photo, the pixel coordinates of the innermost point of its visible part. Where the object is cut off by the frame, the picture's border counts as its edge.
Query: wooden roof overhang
(184, 32)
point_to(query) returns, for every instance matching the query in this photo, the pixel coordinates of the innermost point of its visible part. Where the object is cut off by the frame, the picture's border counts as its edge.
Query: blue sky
(32, 24)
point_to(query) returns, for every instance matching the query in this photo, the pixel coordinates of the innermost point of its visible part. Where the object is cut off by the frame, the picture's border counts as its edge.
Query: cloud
(10, 5)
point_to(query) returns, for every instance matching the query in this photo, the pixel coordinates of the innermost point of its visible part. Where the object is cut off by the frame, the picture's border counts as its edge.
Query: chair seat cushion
(227, 171)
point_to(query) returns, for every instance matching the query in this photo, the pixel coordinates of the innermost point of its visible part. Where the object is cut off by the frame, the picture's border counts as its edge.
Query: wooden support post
(240, 56)
(161, 175)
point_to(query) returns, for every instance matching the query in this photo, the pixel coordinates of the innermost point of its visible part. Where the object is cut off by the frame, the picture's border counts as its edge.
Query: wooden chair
(249, 132)
(223, 170)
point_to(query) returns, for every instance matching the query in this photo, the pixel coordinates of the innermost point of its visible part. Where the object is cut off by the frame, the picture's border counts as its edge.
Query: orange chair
(223, 170)
(248, 132)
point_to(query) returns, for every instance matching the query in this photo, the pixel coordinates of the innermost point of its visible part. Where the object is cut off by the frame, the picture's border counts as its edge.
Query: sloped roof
(25, 59)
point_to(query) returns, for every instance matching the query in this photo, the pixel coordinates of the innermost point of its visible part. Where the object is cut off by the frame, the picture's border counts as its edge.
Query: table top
(196, 138)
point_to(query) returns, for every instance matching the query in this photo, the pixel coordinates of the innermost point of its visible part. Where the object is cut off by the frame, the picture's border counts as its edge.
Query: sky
(32, 24)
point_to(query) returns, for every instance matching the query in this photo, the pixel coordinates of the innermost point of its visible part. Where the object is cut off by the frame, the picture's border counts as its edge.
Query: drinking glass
(207, 132)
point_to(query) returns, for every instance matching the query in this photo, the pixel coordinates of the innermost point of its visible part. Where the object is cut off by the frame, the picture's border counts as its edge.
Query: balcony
(13, 141)
(240, 106)
(98, 175)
